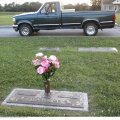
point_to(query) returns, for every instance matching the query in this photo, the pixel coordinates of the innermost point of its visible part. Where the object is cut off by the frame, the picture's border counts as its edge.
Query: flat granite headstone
(56, 100)
(49, 49)
(98, 49)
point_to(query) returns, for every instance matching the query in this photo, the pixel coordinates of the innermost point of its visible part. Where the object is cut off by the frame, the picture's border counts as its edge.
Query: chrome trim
(45, 24)
(107, 22)
(90, 30)
(57, 24)
(14, 26)
(71, 24)
(25, 31)
(14, 19)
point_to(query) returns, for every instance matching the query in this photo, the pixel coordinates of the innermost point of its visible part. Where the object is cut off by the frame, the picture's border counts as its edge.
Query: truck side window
(49, 9)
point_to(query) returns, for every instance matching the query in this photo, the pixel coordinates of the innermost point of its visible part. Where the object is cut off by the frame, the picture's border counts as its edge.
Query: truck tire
(90, 29)
(25, 30)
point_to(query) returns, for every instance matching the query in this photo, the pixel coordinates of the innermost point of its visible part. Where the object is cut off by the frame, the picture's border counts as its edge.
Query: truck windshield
(40, 7)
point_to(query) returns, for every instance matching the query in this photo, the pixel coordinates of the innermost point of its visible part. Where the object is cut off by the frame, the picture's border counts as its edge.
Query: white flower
(53, 58)
(39, 55)
(36, 62)
(45, 56)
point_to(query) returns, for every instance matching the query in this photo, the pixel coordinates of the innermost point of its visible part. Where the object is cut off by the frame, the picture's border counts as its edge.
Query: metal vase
(47, 87)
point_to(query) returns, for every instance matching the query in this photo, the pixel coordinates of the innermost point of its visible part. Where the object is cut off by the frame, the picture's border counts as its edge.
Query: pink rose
(45, 63)
(57, 64)
(44, 58)
(41, 70)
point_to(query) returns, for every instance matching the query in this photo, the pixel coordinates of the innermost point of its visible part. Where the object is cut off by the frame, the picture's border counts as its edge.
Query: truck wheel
(25, 30)
(90, 29)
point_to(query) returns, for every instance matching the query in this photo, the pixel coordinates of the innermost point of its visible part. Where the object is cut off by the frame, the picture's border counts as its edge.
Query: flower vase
(47, 87)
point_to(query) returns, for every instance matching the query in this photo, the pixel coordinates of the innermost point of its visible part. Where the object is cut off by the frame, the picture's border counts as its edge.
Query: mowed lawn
(6, 17)
(97, 74)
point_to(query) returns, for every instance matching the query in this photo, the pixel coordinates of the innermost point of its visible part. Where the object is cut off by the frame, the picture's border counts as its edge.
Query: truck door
(48, 17)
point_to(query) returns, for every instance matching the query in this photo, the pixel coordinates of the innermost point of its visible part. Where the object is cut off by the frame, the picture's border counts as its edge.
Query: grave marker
(49, 49)
(56, 100)
(98, 49)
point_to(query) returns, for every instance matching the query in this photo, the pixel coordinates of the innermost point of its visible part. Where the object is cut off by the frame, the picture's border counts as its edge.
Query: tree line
(96, 5)
(34, 6)
(25, 7)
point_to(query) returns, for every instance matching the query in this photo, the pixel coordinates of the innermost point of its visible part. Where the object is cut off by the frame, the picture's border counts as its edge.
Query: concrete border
(5, 26)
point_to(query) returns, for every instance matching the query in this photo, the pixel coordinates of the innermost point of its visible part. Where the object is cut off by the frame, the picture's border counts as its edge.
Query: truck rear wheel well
(91, 21)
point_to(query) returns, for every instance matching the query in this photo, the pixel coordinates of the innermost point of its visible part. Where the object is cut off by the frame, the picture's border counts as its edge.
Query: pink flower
(44, 58)
(45, 63)
(41, 70)
(57, 64)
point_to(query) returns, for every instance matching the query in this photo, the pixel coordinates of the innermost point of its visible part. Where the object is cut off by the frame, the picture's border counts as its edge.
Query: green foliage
(82, 7)
(96, 4)
(1, 8)
(25, 7)
(50, 73)
(34, 6)
(78, 7)
(94, 73)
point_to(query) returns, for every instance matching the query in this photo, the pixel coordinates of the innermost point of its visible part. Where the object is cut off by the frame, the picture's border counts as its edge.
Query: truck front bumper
(15, 27)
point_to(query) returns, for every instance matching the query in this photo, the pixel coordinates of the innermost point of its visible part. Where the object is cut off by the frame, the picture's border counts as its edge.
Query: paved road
(9, 32)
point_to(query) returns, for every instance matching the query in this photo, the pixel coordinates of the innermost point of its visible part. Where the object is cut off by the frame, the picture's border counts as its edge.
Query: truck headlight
(14, 20)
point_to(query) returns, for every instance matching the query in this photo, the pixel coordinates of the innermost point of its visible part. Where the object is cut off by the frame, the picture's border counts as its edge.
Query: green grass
(97, 74)
(6, 17)
(118, 18)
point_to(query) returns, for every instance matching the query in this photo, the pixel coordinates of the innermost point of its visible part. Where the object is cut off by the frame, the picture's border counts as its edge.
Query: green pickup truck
(50, 16)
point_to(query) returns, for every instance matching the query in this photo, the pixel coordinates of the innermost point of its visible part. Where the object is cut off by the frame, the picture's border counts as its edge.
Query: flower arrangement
(46, 67)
